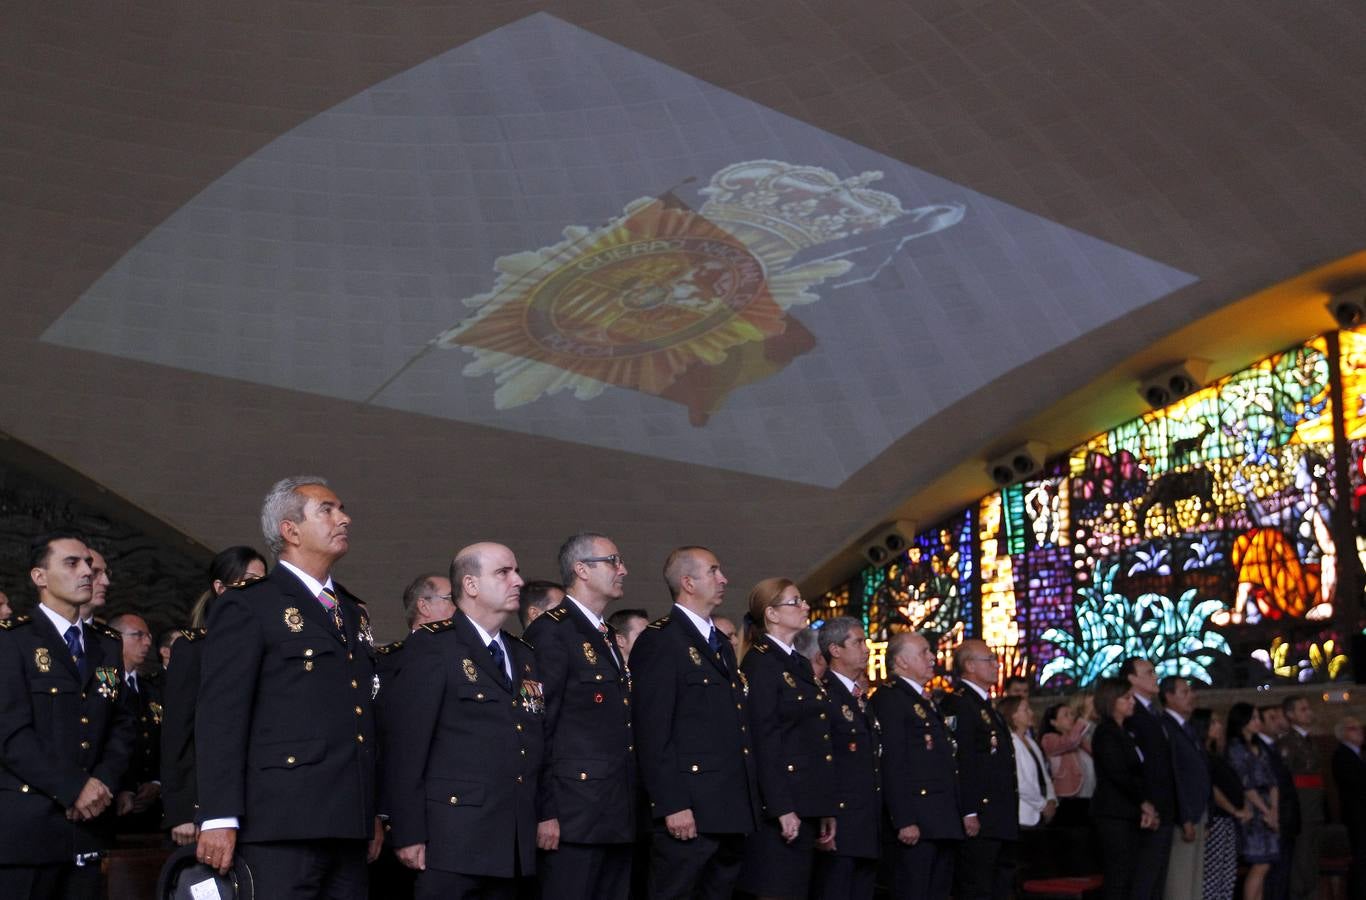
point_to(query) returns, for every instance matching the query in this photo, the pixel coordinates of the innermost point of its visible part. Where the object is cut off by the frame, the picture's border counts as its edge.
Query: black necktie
(496, 651)
(714, 641)
(1038, 767)
(73, 643)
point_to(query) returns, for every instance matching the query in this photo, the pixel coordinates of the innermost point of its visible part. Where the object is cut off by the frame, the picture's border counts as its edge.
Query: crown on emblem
(800, 205)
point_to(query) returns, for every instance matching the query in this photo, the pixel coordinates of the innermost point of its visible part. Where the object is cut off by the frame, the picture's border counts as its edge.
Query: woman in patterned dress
(1221, 841)
(1258, 843)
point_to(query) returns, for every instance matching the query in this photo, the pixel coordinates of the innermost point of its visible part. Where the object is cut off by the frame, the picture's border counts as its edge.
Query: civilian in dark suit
(284, 733)
(66, 732)
(919, 774)
(1190, 769)
(137, 804)
(692, 738)
(463, 740)
(1274, 727)
(233, 567)
(790, 730)
(1349, 772)
(1154, 846)
(988, 798)
(846, 868)
(587, 803)
(1120, 808)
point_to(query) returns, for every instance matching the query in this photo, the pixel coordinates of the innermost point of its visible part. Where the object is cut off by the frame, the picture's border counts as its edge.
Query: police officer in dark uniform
(233, 567)
(285, 732)
(846, 868)
(988, 796)
(692, 738)
(463, 740)
(66, 731)
(920, 782)
(588, 792)
(790, 730)
(137, 804)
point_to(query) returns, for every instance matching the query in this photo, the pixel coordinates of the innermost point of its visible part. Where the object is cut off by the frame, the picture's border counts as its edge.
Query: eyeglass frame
(615, 560)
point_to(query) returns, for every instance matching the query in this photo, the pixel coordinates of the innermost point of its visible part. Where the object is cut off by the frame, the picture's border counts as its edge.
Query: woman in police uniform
(790, 731)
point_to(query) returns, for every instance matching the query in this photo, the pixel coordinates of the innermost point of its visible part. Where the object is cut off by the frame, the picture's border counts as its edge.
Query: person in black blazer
(588, 797)
(988, 797)
(66, 732)
(1120, 808)
(137, 803)
(1145, 726)
(919, 774)
(692, 738)
(1349, 773)
(464, 740)
(1191, 774)
(846, 867)
(793, 757)
(284, 731)
(1289, 819)
(234, 567)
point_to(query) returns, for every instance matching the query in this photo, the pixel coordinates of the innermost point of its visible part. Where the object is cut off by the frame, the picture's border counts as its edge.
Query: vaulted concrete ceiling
(239, 242)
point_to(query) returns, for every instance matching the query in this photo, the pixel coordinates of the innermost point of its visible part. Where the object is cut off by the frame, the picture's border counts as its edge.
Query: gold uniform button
(23, 789)
(85, 745)
(354, 684)
(308, 666)
(54, 690)
(308, 652)
(986, 800)
(696, 767)
(626, 701)
(745, 750)
(360, 739)
(829, 758)
(630, 748)
(523, 751)
(454, 801)
(359, 711)
(84, 720)
(519, 779)
(348, 657)
(479, 696)
(739, 706)
(841, 804)
(519, 726)
(598, 676)
(799, 697)
(289, 760)
(822, 716)
(791, 768)
(583, 776)
(924, 792)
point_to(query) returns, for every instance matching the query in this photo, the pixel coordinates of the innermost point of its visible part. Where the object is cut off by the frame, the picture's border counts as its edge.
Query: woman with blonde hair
(792, 755)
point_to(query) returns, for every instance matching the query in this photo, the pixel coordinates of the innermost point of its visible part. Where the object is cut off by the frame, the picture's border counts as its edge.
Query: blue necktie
(496, 650)
(73, 643)
(714, 641)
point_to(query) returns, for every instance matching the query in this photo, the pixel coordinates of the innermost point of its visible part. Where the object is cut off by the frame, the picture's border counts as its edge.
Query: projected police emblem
(684, 304)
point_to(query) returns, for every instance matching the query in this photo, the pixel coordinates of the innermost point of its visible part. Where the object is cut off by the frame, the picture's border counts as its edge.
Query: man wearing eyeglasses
(137, 803)
(988, 796)
(587, 797)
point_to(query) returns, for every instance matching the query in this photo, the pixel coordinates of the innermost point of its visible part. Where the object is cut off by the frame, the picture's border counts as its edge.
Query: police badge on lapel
(293, 620)
(590, 654)
(108, 679)
(155, 709)
(42, 658)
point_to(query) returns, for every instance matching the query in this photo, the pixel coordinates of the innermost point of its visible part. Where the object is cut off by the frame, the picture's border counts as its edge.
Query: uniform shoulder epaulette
(761, 647)
(435, 627)
(386, 649)
(243, 584)
(107, 631)
(557, 614)
(15, 622)
(520, 639)
(659, 623)
(872, 689)
(193, 634)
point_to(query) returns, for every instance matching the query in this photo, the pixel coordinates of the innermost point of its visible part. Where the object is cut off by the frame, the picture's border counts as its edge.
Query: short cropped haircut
(421, 588)
(1289, 702)
(573, 550)
(284, 503)
(836, 631)
(619, 618)
(807, 643)
(467, 563)
(681, 562)
(40, 548)
(897, 642)
(1167, 686)
(1128, 667)
(535, 594)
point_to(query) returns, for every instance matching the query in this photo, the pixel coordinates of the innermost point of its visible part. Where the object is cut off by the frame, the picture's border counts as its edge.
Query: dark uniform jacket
(1290, 819)
(57, 730)
(986, 764)
(148, 709)
(919, 763)
(1190, 770)
(1349, 773)
(858, 796)
(590, 780)
(179, 789)
(789, 729)
(284, 732)
(691, 727)
(463, 751)
(1146, 728)
(1121, 789)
